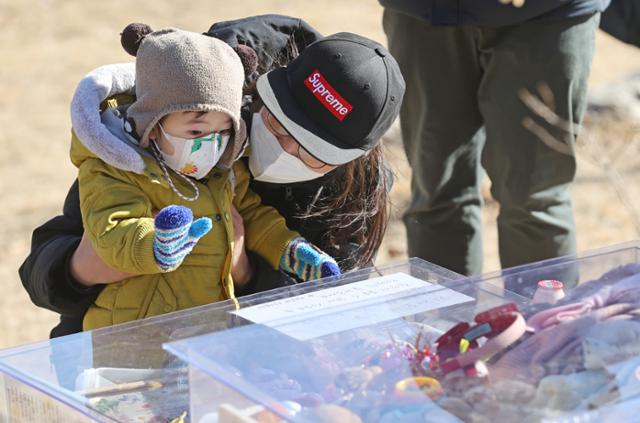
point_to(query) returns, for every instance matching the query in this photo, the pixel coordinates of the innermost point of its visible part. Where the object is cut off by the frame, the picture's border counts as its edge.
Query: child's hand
(306, 262)
(176, 235)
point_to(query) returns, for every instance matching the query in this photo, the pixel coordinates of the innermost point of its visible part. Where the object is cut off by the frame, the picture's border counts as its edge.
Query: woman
(315, 156)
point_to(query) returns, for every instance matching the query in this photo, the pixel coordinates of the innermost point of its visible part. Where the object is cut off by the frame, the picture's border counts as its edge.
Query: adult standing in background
(464, 63)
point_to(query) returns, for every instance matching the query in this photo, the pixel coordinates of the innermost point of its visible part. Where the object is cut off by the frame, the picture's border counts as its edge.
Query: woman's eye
(195, 133)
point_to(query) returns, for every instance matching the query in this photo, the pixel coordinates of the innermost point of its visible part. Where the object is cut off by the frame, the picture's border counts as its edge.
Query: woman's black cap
(337, 98)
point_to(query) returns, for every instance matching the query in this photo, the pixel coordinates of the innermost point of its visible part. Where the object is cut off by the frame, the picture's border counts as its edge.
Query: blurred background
(46, 46)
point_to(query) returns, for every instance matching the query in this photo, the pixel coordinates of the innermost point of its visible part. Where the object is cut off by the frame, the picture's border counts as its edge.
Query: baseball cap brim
(318, 142)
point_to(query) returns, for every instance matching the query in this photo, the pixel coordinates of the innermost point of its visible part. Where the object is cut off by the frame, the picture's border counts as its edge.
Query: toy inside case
(557, 340)
(123, 374)
(562, 344)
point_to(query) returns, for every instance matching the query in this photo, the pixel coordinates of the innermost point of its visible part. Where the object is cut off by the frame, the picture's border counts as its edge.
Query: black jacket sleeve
(269, 35)
(622, 20)
(45, 272)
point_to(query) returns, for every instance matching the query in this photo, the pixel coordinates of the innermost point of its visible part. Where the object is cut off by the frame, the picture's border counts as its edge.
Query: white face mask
(194, 157)
(268, 162)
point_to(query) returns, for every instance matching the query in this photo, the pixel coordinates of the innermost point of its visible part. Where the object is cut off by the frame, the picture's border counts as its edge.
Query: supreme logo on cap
(328, 97)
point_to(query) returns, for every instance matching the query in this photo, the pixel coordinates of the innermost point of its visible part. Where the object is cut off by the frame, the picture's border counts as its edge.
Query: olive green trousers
(461, 117)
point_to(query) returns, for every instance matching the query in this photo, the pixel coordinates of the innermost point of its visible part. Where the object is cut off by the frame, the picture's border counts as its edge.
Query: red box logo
(328, 97)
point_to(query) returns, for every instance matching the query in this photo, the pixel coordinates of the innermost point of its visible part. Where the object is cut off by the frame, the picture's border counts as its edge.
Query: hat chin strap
(156, 153)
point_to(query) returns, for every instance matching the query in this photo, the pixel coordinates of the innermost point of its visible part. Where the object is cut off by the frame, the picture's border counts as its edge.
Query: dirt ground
(46, 46)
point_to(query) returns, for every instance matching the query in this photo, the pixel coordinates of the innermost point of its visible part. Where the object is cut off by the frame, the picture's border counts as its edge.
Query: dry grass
(47, 45)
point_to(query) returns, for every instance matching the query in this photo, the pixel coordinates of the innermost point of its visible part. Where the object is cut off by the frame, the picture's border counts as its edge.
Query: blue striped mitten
(176, 235)
(307, 262)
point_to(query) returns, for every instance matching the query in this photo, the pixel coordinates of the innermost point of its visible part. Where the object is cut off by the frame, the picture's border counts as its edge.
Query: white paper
(26, 404)
(353, 305)
(111, 376)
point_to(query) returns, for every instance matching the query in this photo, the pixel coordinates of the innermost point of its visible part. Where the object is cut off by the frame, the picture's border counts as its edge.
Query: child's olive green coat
(117, 210)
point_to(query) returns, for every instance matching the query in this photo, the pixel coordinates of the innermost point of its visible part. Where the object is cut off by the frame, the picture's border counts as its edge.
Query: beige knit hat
(179, 70)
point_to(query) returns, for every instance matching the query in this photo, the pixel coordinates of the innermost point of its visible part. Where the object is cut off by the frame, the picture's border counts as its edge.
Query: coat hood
(113, 86)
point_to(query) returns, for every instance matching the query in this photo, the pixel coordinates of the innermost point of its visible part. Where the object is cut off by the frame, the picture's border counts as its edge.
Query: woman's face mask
(268, 162)
(194, 157)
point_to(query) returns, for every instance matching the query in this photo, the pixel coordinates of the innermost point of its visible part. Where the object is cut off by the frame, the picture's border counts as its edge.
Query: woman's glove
(176, 235)
(306, 262)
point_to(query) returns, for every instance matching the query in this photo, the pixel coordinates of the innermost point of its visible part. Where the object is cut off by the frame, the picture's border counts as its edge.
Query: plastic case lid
(123, 374)
(354, 345)
(372, 357)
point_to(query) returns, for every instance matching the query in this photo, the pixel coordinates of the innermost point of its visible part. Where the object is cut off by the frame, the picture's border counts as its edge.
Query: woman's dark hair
(355, 208)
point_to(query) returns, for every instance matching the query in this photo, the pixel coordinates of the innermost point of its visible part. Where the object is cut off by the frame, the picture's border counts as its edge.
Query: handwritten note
(353, 305)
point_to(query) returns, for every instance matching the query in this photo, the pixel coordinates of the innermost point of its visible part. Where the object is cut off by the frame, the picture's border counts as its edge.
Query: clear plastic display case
(554, 341)
(123, 374)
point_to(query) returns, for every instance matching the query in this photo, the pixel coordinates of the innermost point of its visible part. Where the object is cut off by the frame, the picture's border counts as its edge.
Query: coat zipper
(288, 193)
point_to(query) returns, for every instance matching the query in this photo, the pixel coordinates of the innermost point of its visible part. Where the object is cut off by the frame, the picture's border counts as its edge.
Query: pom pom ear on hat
(249, 60)
(248, 57)
(132, 35)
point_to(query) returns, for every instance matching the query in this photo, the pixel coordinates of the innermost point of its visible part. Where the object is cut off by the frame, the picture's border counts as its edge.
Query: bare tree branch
(546, 94)
(590, 147)
(543, 111)
(544, 136)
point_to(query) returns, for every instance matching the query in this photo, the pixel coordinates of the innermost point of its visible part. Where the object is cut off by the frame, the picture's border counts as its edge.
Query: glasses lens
(276, 126)
(308, 159)
(303, 154)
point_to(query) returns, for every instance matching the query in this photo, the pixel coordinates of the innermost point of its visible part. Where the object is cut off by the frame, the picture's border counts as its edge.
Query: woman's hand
(88, 269)
(516, 3)
(241, 270)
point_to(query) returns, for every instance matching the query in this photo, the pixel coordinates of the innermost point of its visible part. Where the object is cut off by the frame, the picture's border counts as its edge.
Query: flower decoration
(189, 169)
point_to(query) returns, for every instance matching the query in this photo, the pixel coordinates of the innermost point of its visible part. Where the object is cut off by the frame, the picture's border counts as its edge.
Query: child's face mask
(268, 162)
(194, 157)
